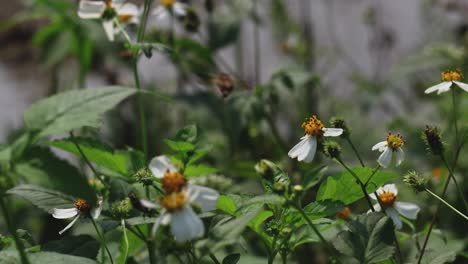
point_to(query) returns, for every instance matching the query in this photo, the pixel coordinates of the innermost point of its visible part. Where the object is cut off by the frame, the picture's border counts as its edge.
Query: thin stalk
(151, 251)
(355, 151)
(103, 242)
(452, 175)
(358, 181)
(141, 111)
(447, 204)
(144, 19)
(256, 39)
(454, 113)
(214, 259)
(372, 175)
(19, 244)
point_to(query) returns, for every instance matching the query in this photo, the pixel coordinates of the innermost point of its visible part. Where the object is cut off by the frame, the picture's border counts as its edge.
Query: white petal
(296, 150)
(129, 9)
(96, 212)
(64, 213)
(312, 150)
(160, 12)
(205, 197)
(372, 196)
(400, 156)
(163, 219)
(377, 208)
(186, 225)
(179, 9)
(380, 145)
(332, 132)
(160, 165)
(109, 29)
(393, 214)
(90, 9)
(69, 225)
(464, 86)
(148, 204)
(408, 210)
(385, 158)
(440, 88)
(391, 188)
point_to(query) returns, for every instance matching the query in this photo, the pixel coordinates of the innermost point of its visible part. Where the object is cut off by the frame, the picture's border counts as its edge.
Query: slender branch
(358, 181)
(101, 237)
(144, 19)
(214, 259)
(19, 244)
(372, 174)
(348, 139)
(452, 175)
(447, 204)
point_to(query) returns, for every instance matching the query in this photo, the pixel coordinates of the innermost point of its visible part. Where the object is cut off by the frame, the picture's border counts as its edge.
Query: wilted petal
(90, 9)
(186, 225)
(332, 132)
(64, 213)
(205, 197)
(464, 86)
(393, 214)
(408, 210)
(440, 88)
(160, 165)
(108, 26)
(385, 159)
(69, 225)
(400, 156)
(380, 146)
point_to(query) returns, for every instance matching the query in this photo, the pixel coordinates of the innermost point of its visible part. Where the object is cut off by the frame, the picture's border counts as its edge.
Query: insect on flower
(81, 207)
(387, 197)
(108, 11)
(449, 77)
(176, 203)
(314, 129)
(391, 145)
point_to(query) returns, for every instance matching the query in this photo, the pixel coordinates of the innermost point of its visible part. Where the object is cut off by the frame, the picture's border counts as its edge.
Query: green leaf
(179, 146)
(81, 246)
(314, 210)
(232, 258)
(123, 249)
(73, 109)
(369, 239)
(343, 186)
(43, 198)
(304, 234)
(11, 257)
(226, 204)
(96, 152)
(187, 134)
(197, 170)
(140, 220)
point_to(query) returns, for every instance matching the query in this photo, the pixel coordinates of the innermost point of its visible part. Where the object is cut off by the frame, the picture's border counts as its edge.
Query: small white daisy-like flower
(449, 77)
(306, 148)
(108, 11)
(176, 203)
(81, 207)
(391, 145)
(167, 8)
(387, 197)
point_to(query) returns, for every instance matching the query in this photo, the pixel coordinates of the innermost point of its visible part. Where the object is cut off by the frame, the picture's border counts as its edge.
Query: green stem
(143, 130)
(447, 204)
(214, 259)
(144, 19)
(103, 242)
(358, 181)
(11, 229)
(454, 112)
(256, 38)
(348, 139)
(372, 175)
(451, 175)
(151, 251)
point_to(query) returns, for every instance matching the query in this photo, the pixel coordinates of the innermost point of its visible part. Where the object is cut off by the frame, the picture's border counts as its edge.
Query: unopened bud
(121, 209)
(416, 181)
(298, 188)
(332, 149)
(279, 187)
(433, 140)
(144, 176)
(339, 122)
(265, 169)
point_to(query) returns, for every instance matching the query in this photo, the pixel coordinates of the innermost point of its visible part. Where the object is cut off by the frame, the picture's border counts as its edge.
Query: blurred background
(368, 61)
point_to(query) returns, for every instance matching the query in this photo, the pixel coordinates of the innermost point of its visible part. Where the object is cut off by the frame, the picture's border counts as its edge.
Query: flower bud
(298, 189)
(121, 209)
(432, 138)
(332, 149)
(225, 84)
(191, 21)
(338, 122)
(144, 176)
(416, 181)
(97, 185)
(279, 187)
(265, 169)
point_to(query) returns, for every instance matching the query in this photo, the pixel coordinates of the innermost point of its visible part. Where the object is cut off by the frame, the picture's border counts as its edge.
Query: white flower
(176, 204)
(448, 77)
(388, 147)
(387, 196)
(169, 7)
(81, 207)
(306, 148)
(108, 11)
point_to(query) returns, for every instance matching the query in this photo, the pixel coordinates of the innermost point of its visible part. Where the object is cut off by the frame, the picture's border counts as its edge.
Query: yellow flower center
(167, 3)
(313, 126)
(174, 201)
(387, 199)
(395, 141)
(82, 205)
(450, 75)
(173, 182)
(124, 18)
